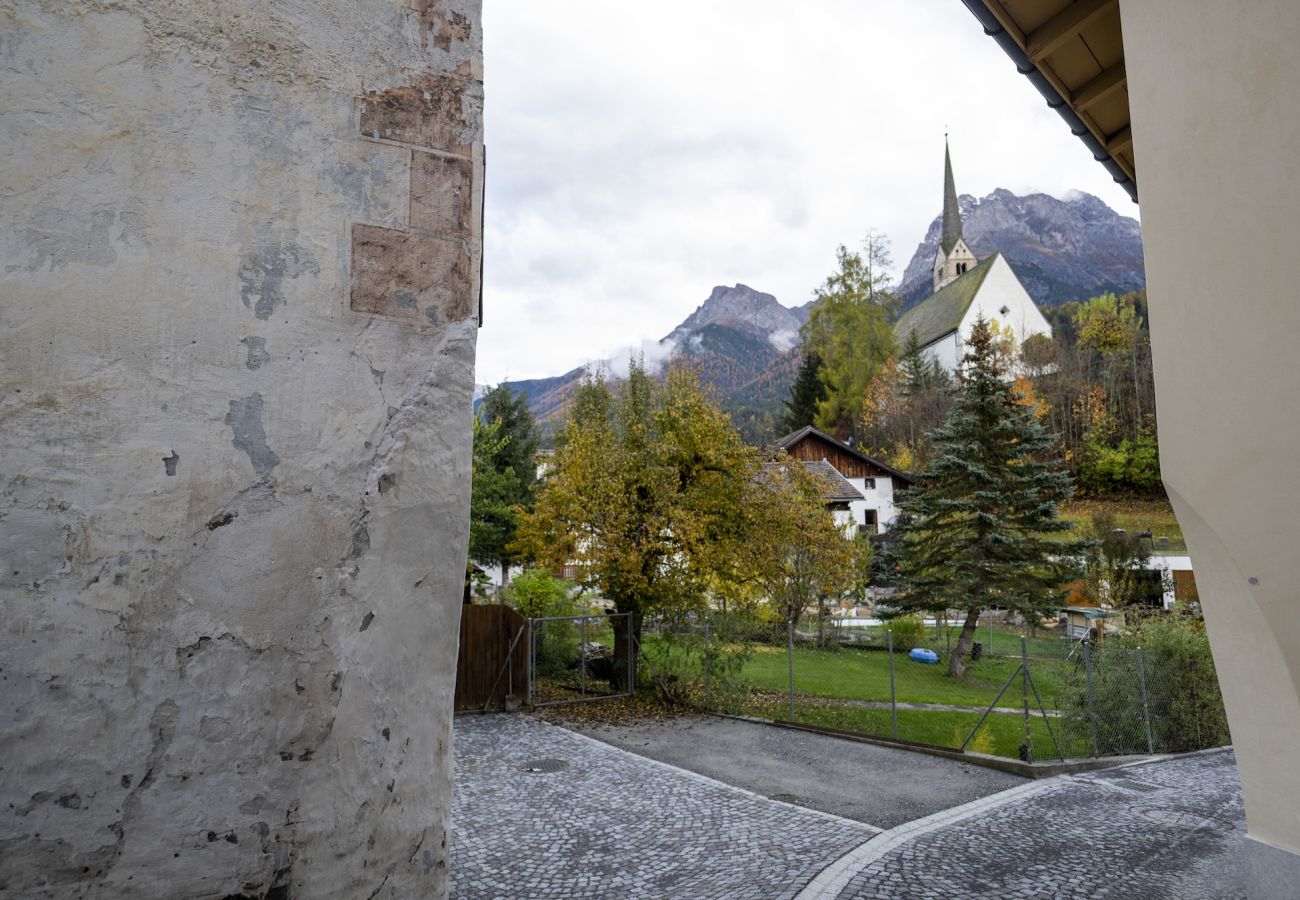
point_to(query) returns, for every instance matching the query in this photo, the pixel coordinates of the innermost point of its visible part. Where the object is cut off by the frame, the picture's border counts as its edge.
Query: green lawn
(828, 681)
(859, 674)
(1156, 516)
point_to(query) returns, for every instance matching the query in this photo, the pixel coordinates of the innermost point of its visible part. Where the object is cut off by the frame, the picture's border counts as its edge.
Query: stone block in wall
(442, 199)
(428, 114)
(411, 275)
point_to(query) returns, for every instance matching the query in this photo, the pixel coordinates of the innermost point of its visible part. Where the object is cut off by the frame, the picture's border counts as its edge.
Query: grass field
(1000, 735)
(1156, 516)
(833, 687)
(864, 675)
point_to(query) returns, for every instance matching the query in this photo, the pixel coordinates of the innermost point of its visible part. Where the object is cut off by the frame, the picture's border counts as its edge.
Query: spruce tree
(806, 393)
(978, 526)
(505, 475)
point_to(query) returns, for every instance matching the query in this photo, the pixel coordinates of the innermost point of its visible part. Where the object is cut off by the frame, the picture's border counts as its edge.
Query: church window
(1004, 310)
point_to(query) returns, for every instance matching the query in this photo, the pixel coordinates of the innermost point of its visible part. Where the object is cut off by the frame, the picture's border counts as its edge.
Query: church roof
(951, 233)
(941, 312)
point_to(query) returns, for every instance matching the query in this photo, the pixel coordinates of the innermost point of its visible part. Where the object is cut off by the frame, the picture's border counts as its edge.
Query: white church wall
(947, 350)
(1002, 289)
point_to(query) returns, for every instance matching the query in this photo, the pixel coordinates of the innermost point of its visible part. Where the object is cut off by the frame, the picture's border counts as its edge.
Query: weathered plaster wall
(239, 253)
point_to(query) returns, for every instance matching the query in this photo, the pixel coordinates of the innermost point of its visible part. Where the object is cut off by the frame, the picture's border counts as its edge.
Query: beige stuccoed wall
(239, 252)
(1215, 98)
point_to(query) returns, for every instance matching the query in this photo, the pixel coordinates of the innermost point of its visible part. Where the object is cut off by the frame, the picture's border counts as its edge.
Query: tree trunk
(957, 661)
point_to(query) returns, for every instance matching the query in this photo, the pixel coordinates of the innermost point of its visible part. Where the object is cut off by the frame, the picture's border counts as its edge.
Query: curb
(832, 880)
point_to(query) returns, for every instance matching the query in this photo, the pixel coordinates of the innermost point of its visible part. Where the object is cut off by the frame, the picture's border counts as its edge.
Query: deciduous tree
(643, 495)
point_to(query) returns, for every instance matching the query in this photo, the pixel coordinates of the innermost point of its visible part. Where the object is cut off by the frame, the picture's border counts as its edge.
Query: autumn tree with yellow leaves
(654, 498)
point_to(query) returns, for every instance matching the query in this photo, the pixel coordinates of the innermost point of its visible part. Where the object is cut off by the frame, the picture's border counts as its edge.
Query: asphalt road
(879, 786)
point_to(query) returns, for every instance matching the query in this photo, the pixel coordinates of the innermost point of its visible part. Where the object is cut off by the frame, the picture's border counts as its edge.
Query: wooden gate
(493, 660)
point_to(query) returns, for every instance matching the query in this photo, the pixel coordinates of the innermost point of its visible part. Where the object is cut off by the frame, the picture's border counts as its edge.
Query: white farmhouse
(874, 482)
(964, 291)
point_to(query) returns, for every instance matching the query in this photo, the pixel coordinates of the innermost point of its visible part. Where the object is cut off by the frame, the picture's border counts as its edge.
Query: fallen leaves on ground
(638, 709)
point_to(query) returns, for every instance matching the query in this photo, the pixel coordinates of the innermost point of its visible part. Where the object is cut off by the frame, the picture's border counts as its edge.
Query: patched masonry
(241, 253)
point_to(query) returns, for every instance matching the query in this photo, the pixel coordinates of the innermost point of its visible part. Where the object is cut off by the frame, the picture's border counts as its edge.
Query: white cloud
(640, 154)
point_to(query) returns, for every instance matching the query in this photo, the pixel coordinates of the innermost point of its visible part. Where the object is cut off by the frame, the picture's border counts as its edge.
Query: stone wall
(238, 302)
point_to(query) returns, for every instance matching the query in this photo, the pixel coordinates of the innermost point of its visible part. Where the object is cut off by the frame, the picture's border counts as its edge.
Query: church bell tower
(953, 257)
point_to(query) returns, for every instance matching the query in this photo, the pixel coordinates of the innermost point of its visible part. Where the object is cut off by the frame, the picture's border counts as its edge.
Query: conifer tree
(505, 475)
(806, 393)
(978, 526)
(849, 327)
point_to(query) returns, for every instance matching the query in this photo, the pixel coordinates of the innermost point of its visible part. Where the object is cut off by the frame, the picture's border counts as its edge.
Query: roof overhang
(1072, 51)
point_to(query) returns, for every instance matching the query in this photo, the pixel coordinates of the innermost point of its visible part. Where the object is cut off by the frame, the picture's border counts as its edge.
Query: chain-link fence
(576, 658)
(1025, 694)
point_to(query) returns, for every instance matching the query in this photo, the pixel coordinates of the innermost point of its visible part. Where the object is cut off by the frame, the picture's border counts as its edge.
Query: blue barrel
(922, 655)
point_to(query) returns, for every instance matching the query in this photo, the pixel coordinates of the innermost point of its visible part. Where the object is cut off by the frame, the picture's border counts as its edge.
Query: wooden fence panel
(487, 669)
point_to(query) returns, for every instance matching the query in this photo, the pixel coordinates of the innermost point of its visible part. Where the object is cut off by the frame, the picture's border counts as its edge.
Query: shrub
(1187, 706)
(677, 667)
(909, 633)
(535, 594)
(1184, 706)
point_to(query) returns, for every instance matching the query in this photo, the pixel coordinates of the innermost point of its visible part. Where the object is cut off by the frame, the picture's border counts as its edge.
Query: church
(965, 289)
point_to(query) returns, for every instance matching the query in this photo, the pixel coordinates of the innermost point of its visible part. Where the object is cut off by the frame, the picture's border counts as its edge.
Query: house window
(869, 520)
(869, 484)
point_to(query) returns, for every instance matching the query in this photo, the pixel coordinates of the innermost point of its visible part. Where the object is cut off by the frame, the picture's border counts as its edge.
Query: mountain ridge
(1061, 249)
(743, 342)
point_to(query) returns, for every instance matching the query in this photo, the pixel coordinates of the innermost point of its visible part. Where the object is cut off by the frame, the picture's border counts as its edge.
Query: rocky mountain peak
(744, 309)
(1062, 249)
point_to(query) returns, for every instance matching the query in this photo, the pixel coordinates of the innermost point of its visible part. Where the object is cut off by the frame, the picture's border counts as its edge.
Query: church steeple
(951, 212)
(953, 258)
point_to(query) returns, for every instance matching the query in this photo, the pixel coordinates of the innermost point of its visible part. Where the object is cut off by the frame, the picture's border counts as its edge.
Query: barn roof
(940, 313)
(794, 437)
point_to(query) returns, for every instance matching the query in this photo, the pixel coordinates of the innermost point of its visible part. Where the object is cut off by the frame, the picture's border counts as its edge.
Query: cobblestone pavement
(597, 822)
(1166, 829)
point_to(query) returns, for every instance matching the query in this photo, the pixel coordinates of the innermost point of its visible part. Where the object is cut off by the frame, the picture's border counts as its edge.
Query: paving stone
(1159, 831)
(612, 824)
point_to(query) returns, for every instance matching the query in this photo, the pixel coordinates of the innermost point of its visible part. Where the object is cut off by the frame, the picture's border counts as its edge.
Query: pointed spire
(951, 213)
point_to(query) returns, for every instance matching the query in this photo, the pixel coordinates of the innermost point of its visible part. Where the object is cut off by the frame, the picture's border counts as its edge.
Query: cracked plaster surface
(232, 553)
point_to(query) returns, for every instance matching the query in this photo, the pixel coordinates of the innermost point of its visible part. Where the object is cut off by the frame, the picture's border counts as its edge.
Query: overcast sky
(641, 153)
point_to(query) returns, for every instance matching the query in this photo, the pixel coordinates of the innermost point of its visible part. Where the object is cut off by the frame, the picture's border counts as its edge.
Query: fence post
(1146, 711)
(708, 668)
(631, 656)
(789, 652)
(582, 654)
(893, 701)
(1024, 687)
(1092, 709)
(532, 663)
